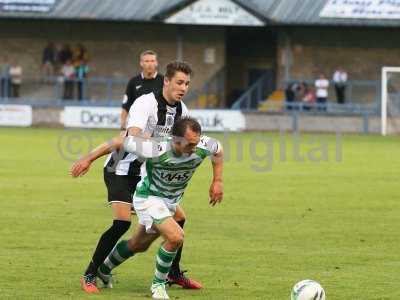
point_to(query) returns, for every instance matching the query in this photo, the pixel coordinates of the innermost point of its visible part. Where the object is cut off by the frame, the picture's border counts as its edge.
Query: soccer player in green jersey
(168, 168)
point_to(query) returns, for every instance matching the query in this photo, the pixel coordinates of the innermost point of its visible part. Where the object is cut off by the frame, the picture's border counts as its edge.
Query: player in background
(148, 81)
(151, 114)
(170, 164)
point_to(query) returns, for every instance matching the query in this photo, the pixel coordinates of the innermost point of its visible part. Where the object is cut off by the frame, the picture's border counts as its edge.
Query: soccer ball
(307, 290)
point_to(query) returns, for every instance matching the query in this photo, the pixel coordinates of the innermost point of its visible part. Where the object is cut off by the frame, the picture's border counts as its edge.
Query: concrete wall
(51, 117)
(310, 123)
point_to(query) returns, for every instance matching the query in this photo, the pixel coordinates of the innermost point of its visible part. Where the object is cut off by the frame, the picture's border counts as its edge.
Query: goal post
(385, 77)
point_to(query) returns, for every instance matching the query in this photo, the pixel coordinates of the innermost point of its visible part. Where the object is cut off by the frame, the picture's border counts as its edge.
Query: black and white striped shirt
(155, 116)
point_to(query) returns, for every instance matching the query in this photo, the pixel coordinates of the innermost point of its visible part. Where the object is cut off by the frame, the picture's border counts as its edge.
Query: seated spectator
(309, 99)
(301, 91)
(15, 73)
(290, 95)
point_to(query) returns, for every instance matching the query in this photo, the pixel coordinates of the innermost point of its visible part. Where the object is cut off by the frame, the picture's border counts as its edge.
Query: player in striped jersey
(169, 166)
(151, 114)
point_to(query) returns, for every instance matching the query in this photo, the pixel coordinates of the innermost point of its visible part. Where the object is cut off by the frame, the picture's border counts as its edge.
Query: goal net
(390, 100)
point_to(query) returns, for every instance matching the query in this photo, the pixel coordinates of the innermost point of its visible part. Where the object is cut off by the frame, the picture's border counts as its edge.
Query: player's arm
(143, 147)
(82, 166)
(124, 117)
(217, 187)
(216, 191)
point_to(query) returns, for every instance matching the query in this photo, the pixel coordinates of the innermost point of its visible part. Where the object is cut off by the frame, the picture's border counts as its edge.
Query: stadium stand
(241, 63)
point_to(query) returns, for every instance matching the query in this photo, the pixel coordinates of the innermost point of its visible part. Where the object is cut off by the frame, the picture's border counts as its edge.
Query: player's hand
(80, 167)
(216, 192)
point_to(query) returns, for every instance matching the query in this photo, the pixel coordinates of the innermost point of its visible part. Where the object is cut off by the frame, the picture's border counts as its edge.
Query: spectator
(57, 63)
(65, 54)
(81, 71)
(301, 91)
(340, 81)
(321, 86)
(80, 54)
(309, 98)
(5, 81)
(48, 60)
(290, 94)
(68, 73)
(15, 73)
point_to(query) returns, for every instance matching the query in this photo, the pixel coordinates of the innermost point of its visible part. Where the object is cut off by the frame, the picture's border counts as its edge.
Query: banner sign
(219, 120)
(36, 6)
(361, 9)
(15, 115)
(109, 117)
(92, 117)
(214, 12)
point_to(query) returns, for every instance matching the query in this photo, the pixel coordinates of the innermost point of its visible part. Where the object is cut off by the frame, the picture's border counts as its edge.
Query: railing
(362, 96)
(55, 91)
(257, 92)
(357, 91)
(331, 108)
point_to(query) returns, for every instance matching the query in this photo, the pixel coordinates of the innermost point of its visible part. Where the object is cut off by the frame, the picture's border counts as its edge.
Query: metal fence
(101, 91)
(362, 96)
(57, 91)
(257, 92)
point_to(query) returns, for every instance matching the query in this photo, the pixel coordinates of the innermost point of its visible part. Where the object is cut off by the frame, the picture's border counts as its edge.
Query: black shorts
(120, 188)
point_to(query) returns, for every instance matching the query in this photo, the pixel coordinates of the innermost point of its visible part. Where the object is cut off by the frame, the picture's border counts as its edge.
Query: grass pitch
(316, 207)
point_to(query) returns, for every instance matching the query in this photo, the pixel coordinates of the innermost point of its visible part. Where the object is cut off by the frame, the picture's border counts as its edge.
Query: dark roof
(115, 10)
(279, 12)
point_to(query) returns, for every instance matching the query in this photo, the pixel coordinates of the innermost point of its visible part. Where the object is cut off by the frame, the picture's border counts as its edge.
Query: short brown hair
(183, 124)
(177, 66)
(148, 52)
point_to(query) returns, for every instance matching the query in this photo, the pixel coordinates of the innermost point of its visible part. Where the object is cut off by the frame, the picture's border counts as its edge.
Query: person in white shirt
(321, 86)
(68, 73)
(15, 73)
(340, 81)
